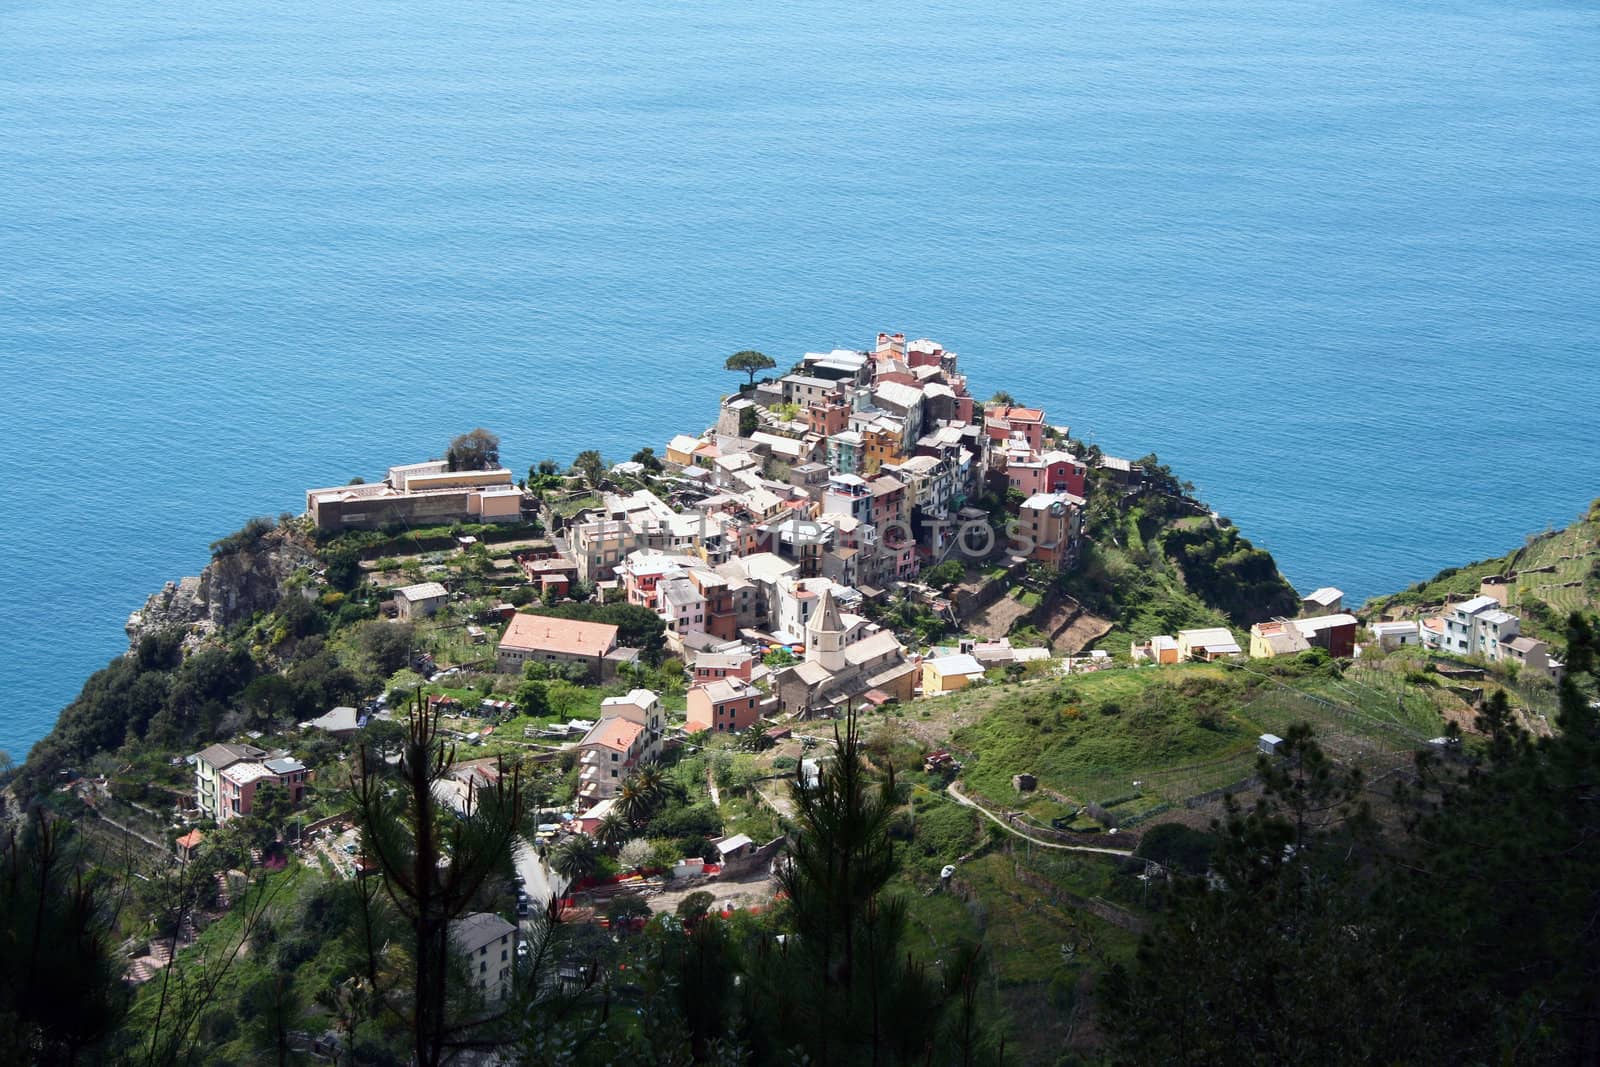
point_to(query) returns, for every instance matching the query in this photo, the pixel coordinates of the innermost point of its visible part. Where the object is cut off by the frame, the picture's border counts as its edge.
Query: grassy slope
(1121, 579)
(1179, 731)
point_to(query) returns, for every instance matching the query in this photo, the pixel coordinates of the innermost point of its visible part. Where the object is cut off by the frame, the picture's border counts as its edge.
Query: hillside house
(608, 754)
(1324, 601)
(420, 601)
(209, 763)
(1206, 645)
(1392, 635)
(1050, 528)
(1003, 423)
(1533, 656)
(946, 674)
(1281, 637)
(727, 705)
(1276, 638)
(714, 666)
(488, 944)
(239, 783)
(639, 706)
(546, 639)
(1162, 648)
(340, 722)
(422, 494)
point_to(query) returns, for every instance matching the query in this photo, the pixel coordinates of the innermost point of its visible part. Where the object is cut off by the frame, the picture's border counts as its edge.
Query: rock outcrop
(231, 589)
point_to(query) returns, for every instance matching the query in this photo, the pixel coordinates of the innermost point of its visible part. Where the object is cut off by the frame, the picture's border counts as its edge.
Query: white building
(489, 945)
(1471, 623)
(1390, 635)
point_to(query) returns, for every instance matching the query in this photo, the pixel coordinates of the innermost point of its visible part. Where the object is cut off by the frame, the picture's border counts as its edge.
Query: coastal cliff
(246, 575)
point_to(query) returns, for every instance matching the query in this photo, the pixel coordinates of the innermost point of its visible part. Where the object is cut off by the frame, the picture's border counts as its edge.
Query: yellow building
(946, 674)
(680, 449)
(1276, 638)
(879, 447)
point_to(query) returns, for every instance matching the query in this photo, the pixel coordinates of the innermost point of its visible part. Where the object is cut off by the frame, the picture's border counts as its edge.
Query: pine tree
(433, 863)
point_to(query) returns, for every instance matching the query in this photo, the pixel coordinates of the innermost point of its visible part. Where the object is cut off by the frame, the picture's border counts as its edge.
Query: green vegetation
(246, 537)
(476, 450)
(61, 993)
(1090, 737)
(749, 362)
(1127, 745)
(943, 575)
(591, 467)
(1156, 562)
(1555, 573)
(1229, 574)
(878, 961)
(1490, 879)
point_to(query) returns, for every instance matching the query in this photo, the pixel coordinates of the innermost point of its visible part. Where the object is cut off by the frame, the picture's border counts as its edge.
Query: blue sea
(1337, 262)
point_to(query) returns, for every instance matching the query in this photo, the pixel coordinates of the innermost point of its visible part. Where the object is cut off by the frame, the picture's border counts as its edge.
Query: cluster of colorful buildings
(811, 495)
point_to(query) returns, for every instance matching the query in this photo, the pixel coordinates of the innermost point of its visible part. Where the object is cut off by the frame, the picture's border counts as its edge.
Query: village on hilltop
(857, 535)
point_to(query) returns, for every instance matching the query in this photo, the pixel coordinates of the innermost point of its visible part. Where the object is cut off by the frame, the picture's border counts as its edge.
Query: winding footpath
(953, 791)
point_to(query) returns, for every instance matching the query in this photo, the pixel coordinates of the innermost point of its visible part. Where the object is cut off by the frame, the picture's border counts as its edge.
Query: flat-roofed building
(1212, 643)
(418, 493)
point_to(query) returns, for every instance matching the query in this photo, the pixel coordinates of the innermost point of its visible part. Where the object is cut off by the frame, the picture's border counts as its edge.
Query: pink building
(1051, 472)
(239, 783)
(714, 666)
(1002, 423)
(723, 706)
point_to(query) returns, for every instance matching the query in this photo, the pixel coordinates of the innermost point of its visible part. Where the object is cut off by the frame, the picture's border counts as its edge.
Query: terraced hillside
(1554, 574)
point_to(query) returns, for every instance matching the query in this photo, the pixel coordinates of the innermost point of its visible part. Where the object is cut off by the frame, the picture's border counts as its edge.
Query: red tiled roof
(544, 633)
(614, 733)
(1017, 414)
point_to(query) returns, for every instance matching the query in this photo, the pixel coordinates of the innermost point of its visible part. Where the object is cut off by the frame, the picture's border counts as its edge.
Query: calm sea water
(1338, 262)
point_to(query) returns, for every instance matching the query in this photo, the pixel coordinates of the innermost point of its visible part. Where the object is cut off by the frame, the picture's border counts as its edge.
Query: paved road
(538, 879)
(955, 794)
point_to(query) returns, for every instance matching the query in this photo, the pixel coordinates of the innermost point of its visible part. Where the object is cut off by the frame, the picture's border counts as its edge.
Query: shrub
(1178, 847)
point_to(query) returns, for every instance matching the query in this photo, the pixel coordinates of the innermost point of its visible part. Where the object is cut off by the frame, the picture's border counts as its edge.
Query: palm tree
(634, 802)
(613, 830)
(653, 783)
(575, 858)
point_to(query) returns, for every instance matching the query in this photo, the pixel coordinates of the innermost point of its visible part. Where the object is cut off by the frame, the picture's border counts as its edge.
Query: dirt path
(953, 790)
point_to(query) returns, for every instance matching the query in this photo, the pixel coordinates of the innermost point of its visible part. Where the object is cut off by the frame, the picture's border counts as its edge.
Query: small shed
(187, 844)
(1269, 744)
(1024, 782)
(734, 847)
